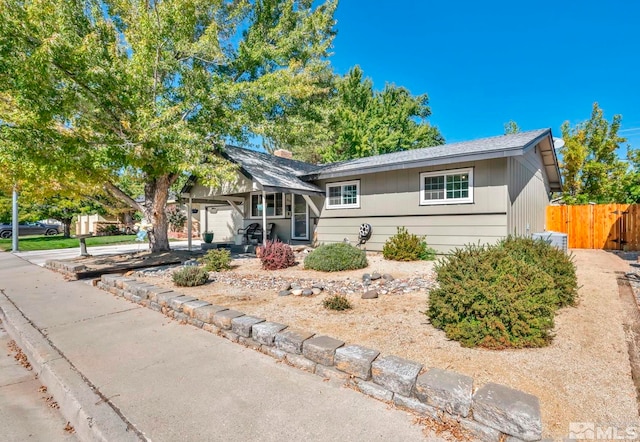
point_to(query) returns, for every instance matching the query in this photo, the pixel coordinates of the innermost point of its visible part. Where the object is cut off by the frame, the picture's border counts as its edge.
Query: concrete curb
(93, 417)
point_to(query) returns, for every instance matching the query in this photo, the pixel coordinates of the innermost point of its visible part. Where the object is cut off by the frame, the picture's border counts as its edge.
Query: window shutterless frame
(343, 195)
(257, 198)
(446, 187)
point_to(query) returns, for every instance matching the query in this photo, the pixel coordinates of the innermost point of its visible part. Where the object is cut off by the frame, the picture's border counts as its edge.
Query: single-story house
(454, 194)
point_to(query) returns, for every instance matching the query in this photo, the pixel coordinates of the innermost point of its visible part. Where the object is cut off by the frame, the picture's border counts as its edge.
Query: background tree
(591, 168)
(364, 122)
(102, 86)
(511, 128)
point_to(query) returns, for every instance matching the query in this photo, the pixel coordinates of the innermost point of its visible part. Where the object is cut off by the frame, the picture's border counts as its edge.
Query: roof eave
(505, 153)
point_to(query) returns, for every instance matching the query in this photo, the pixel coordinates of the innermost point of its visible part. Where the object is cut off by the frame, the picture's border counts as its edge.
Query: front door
(299, 218)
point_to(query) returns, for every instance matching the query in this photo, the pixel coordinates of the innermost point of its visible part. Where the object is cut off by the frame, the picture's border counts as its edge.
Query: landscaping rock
(366, 277)
(480, 432)
(395, 374)
(286, 286)
(307, 292)
(445, 389)
(265, 332)
(373, 390)
(355, 360)
(317, 285)
(177, 303)
(229, 335)
(388, 277)
(296, 292)
(284, 292)
(291, 340)
(321, 349)
(370, 294)
(273, 352)
(164, 298)
(153, 292)
(206, 313)
(331, 373)
(508, 410)
(190, 307)
(316, 291)
(301, 362)
(375, 276)
(222, 319)
(242, 325)
(417, 406)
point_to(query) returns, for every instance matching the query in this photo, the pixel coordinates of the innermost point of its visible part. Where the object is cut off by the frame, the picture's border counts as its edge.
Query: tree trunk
(156, 192)
(66, 227)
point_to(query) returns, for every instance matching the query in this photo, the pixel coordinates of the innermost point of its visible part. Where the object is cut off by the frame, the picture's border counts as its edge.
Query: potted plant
(207, 237)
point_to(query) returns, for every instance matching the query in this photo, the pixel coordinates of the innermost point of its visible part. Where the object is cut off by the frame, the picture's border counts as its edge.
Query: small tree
(177, 219)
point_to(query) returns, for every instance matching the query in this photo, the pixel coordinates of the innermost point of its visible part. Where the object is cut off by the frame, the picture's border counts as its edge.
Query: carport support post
(264, 217)
(189, 223)
(14, 222)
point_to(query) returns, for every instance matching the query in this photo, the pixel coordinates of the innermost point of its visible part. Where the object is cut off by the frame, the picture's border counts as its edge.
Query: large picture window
(344, 195)
(274, 204)
(446, 187)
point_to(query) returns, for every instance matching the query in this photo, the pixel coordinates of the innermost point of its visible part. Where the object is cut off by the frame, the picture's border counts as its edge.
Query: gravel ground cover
(583, 376)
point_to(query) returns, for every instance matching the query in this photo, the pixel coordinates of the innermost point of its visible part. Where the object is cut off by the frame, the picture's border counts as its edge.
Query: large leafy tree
(365, 122)
(591, 168)
(356, 121)
(153, 86)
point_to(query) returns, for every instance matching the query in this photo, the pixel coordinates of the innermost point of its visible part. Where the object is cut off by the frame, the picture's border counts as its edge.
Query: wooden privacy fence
(597, 226)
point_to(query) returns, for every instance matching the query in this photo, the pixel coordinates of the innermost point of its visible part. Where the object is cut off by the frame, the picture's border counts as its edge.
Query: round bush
(190, 276)
(335, 258)
(552, 261)
(336, 302)
(489, 298)
(216, 260)
(405, 246)
(277, 255)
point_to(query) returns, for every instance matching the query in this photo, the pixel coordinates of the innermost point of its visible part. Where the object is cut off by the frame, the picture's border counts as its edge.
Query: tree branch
(119, 194)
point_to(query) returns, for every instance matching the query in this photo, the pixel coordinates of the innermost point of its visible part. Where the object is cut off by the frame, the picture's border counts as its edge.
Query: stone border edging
(92, 418)
(494, 412)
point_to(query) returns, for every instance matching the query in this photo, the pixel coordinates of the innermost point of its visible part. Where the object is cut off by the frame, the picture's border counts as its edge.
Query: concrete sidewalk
(130, 373)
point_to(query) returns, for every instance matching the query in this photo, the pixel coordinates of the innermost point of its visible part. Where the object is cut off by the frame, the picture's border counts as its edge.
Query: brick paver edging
(491, 413)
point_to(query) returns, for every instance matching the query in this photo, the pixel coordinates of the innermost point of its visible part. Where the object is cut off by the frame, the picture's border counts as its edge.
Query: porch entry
(299, 217)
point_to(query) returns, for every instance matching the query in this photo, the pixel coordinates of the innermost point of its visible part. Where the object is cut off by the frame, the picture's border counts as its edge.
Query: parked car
(24, 229)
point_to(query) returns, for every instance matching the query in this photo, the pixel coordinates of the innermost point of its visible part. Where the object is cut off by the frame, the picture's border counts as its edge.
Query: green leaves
(591, 168)
(366, 122)
(153, 87)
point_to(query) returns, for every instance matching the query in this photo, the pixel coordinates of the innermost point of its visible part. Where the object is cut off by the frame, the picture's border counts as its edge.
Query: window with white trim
(446, 187)
(344, 195)
(274, 203)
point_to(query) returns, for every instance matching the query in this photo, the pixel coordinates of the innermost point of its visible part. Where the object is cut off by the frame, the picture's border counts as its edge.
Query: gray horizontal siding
(443, 233)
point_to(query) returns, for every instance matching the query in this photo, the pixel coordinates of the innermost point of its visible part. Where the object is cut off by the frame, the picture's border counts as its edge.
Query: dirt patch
(583, 376)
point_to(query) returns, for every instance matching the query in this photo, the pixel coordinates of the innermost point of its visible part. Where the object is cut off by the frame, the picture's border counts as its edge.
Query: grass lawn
(30, 243)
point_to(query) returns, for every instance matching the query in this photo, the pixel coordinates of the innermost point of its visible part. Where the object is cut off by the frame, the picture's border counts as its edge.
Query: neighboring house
(455, 194)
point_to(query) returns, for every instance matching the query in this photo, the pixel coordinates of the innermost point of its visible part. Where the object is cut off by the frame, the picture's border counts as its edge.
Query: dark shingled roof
(484, 148)
(271, 172)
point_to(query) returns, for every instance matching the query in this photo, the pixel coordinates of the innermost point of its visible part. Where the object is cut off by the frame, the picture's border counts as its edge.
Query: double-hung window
(273, 204)
(446, 187)
(344, 195)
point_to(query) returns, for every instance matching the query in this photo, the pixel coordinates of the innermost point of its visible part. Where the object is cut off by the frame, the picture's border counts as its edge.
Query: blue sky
(485, 63)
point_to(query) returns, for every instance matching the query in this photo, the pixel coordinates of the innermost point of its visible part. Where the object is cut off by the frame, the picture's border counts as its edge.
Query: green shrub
(336, 302)
(490, 298)
(216, 260)
(176, 218)
(277, 255)
(553, 261)
(405, 246)
(190, 276)
(336, 257)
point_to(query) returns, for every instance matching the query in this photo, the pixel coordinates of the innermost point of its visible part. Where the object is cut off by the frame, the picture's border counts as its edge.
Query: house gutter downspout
(264, 218)
(189, 223)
